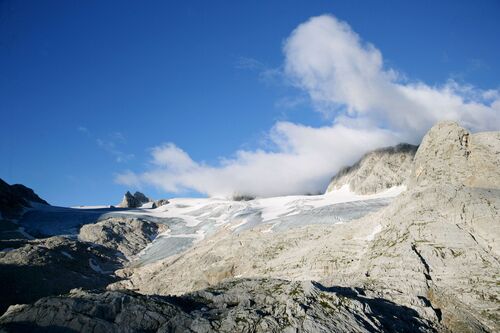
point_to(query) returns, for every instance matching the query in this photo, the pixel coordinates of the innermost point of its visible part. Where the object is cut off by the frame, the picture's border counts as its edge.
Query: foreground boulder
(31, 269)
(248, 305)
(127, 235)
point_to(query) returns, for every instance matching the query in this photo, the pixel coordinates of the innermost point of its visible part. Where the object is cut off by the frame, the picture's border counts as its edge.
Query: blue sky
(88, 89)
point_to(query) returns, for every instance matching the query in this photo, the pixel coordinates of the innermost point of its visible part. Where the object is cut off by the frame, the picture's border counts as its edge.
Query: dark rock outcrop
(135, 200)
(161, 202)
(31, 269)
(248, 305)
(15, 198)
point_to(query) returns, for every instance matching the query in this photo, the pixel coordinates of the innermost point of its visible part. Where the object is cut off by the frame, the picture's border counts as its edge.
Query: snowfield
(193, 219)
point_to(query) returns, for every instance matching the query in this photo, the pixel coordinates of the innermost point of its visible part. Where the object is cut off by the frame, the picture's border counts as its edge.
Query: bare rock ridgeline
(449, 154)
(377, 170)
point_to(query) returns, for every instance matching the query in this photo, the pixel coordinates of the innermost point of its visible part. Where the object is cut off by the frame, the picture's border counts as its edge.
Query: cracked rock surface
(127, 235)
(245, 305)
(31, 269)
(377, 170)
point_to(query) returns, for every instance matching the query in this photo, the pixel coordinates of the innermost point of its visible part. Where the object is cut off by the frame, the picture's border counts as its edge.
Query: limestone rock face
(133, 201)
(376, 171)
(31, 269)
(248, 305)
(127, 235)
(449, 154)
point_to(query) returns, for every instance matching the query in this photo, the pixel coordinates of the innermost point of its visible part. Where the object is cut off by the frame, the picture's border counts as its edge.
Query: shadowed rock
(133, 201)
(33, 269)
(248, 305)
(15, 198)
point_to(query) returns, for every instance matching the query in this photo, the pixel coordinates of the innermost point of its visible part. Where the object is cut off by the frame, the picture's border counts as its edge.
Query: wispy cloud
(110, 144)
(249, 63)
(290, 102)
(345, 78)
(83, 129)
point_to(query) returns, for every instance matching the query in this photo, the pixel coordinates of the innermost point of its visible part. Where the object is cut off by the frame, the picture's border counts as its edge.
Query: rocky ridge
(377, 170)
(15, 198)
(138, 200)
(135, 200)
(127, 235)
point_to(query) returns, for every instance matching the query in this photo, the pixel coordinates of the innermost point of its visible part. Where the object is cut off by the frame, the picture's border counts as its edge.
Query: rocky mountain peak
(449, 154)
(134, 200)
(138, 199)
(377, 170)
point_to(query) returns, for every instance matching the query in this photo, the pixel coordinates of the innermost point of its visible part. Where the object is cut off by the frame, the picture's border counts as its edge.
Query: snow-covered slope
(192, 220)
(189, 220)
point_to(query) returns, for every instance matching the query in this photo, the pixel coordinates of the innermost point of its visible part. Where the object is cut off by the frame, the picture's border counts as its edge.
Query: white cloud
(302, 163)
(343, 74)
(372, 106)
(172, 158)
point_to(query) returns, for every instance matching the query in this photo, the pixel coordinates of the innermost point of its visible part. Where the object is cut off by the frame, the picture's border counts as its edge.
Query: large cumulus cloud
(371, 106)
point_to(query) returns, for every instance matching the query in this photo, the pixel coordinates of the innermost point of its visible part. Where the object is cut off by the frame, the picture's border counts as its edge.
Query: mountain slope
(435, 248)
(246, 305)
(376, 171)
(15, 198)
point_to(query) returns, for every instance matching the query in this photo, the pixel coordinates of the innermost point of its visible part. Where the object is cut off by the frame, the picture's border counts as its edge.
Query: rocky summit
(133, 200)
(139, 199)
(412, 247)
(377, 170)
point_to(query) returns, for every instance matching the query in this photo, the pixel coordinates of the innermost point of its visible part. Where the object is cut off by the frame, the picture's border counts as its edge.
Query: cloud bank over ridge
(371, 106)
